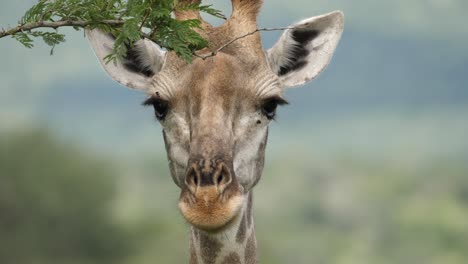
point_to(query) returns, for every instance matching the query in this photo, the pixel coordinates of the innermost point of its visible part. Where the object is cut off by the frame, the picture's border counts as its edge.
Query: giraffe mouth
(209, 210)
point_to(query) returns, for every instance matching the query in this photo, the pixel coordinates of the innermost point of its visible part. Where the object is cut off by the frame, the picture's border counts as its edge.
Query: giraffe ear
(143, 60)
(304, 50)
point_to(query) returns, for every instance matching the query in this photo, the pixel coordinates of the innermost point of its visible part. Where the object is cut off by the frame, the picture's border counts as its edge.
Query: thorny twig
(57, 24)
(118, 22)
(213, 53)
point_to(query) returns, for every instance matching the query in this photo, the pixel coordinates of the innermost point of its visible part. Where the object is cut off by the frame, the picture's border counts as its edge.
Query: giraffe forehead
(221, 78)
(215, 89)
(225, 82)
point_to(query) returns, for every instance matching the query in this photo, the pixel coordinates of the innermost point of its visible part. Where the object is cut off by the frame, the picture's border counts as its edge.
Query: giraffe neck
(235, 245)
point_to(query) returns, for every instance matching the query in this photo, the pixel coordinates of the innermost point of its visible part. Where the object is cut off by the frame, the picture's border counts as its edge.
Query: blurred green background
(368, 164)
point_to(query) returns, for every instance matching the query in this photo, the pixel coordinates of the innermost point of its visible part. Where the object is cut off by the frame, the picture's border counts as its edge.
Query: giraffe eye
(269, 109)
(161, 107)
(269, 106)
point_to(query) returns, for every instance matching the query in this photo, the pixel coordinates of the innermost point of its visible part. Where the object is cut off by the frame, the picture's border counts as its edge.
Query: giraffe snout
(212, 197)
(208, 173)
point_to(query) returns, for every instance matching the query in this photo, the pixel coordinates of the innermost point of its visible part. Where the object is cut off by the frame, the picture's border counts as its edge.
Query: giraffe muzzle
(208, 173)
(211, 197)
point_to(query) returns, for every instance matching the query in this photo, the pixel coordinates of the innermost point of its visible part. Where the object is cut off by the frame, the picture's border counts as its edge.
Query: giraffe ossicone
(215, 114)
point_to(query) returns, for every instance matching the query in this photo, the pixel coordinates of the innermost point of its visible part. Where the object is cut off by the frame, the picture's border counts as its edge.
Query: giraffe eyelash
(161, 106)
(269, 106)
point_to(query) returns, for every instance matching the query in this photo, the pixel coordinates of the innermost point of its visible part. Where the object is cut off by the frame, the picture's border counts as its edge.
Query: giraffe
(215, 113)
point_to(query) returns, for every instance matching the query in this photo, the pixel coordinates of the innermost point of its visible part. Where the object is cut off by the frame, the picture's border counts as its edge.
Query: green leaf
(24, 39)
(142, 18)
(214, 12)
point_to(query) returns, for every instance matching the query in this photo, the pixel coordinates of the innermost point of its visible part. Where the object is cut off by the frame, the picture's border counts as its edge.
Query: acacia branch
(117, 22)
(213, 53)
(57, 24)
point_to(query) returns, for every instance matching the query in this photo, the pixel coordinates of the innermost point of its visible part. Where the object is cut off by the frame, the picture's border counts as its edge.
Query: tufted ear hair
(143, 60)
(304, 50)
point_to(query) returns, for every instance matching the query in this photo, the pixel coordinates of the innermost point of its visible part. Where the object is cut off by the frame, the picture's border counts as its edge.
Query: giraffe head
(215, 111)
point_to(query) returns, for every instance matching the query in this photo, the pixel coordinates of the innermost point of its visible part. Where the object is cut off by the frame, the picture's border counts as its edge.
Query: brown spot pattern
(249, 210)
(196, 233)
(232, 258)
(209, 248)
(251, 250)
(193, 253)
(260, 161)
(240, 236)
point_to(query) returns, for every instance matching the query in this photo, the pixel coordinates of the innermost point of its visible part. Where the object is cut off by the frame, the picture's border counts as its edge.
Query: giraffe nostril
(219, 178)
(216, 174)
(194, 179)
(223, 177)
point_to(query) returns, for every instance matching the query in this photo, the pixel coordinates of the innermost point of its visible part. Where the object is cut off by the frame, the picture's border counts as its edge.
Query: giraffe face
(215, 126)
(215, 112)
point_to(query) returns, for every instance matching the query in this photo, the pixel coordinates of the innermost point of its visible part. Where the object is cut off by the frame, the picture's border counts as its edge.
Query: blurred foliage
(357, 211)
(55, 204)
(129, 21)
(60, 205)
